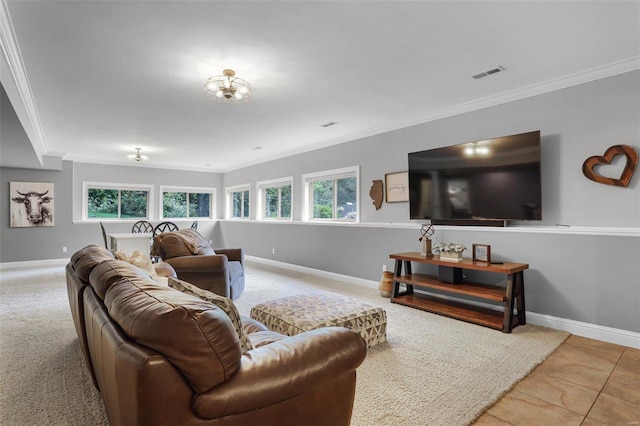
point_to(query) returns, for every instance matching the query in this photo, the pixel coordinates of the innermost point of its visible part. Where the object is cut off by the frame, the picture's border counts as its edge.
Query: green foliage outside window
(199, 204)
(344, 196)
(271, 203)
(240, 204)
(117, 204)
(133, 204)
(245, 205)
(323, 199)
(175, 205)
(277, 202)
(285, 201)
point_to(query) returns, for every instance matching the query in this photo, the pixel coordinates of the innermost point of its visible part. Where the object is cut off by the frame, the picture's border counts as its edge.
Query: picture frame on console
(481, 252)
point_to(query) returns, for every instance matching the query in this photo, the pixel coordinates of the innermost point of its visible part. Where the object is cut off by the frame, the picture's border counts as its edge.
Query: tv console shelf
(509, 297)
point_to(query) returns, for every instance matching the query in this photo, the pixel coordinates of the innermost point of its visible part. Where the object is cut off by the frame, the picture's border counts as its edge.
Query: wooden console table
(509, 297)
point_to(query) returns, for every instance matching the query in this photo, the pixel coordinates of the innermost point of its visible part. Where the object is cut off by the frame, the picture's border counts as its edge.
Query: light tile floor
(584, 382)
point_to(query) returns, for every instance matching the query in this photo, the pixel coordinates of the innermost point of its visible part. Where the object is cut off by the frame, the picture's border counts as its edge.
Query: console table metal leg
(407, 271)
(522, 316)
(507, 323)
(397, 271)
(396, 284)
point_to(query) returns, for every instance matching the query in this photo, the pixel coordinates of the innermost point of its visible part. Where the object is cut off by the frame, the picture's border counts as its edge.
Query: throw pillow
(221, 302)
(137, 259)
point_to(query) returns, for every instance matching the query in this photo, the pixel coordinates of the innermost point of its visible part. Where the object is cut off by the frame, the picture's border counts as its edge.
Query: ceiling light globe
(468, 150)
(238, 95)
(219, 93)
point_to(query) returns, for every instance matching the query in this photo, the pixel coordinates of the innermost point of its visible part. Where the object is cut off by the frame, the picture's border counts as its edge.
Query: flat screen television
(483, 182)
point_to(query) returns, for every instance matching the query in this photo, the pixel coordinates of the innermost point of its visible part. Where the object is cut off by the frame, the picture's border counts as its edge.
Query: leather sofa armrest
(283, 370)
(209, 263)
(233, 254)
(251, 326)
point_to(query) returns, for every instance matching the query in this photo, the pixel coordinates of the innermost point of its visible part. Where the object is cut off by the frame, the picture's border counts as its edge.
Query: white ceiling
(103, 77)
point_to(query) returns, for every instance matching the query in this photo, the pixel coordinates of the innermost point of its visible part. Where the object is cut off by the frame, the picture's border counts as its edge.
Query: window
(187, 202)
(332, 195)
(238, 202)
(274, 199)
(113, 201)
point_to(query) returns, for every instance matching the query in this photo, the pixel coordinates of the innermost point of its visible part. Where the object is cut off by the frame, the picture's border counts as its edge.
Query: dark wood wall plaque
(632, 161)
(377, 193)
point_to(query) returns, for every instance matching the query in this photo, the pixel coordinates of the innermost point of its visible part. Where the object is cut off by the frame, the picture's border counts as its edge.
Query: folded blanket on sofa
(184, 242)
(192, 239)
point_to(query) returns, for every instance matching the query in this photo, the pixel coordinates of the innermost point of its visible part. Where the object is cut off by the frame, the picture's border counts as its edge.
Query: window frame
(262, 187)
(86, 186)
(229, 191)
(334, 174)
(188, 190)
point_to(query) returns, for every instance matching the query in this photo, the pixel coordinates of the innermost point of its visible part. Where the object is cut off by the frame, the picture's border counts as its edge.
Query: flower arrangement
(449, 248)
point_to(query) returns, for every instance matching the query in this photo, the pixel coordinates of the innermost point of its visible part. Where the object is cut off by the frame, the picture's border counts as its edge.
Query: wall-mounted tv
(487, 181)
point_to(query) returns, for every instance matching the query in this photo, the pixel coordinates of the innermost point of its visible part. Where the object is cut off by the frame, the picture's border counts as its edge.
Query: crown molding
(17, 86)
(593, 74)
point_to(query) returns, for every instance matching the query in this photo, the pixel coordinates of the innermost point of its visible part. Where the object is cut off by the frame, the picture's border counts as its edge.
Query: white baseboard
(34, 263)
(316, 272)
(583, 329)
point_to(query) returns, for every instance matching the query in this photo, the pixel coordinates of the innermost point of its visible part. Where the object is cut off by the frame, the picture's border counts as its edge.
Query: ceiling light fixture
(227, 88)
(137, 156)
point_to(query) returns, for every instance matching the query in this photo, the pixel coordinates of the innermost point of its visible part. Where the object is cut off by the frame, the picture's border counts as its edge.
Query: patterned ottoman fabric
(296, 314)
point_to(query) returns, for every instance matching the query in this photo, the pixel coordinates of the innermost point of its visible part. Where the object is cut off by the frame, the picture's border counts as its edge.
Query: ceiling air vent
(489, 72)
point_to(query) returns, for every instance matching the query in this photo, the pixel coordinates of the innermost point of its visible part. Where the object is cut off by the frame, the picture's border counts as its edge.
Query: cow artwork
(31, 204)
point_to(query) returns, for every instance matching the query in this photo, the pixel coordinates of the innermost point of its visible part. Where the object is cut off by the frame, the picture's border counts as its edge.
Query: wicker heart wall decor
(632, 161)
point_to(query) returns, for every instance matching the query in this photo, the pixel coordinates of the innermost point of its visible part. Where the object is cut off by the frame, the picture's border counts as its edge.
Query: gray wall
(586, 270)
(24, 244)
(18, 244)
(582, 271)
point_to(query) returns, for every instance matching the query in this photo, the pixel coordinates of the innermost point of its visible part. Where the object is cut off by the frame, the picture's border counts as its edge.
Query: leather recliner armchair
(220, 271)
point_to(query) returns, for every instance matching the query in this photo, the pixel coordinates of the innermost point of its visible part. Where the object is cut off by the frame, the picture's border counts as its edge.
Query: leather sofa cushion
(110, 272)
(196, 336)
(83, 261)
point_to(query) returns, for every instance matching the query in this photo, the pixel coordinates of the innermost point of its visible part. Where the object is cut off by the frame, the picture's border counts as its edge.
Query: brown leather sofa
(162, 357)
(220, 271)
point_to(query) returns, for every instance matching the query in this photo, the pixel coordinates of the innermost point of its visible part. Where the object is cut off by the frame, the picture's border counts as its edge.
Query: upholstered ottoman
(296, 314)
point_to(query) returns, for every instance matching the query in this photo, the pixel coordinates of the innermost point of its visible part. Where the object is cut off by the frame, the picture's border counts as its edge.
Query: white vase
(451, 257)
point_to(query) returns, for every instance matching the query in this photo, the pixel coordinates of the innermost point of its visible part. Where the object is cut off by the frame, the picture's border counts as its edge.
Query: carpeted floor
(433, 370)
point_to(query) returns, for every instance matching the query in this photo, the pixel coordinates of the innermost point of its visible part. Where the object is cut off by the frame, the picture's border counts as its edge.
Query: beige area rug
(432, 371)
(43, 379)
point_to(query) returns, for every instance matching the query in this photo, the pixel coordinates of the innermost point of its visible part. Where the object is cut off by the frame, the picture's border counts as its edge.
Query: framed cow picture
(31, 204)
